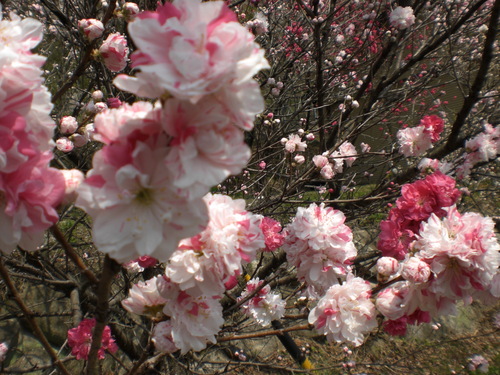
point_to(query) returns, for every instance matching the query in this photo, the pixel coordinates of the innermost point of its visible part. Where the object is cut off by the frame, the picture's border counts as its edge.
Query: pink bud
(68, 124)
(92, 28)
(97, 95)
(114, 103)
(387, 266)
(64, 144)
(130, 10)
(299, 159)
(78, 140)
(416, 270)
(262, 165)
(310, 137)
(99, 107)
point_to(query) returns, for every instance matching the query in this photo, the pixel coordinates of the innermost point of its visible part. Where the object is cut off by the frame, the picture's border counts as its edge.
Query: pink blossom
(206, 148)
(162, 337)
(88, 132)
(294, 143)
(347, 149)
(319, 245)
(413, 141)
(365, 147)
(208, 263)
(262, 165)
(135, 208)
(427, 165)
(264, 306)
(346, 312)
(485, 145)
(29, 198)
(195, 320)
(320, 161)
(144, 298)
(396, 235)
(24, 98)
(418, 201)
(130, 195)
(72, 179)
(258, 25)
(80, 339)
(193, 49)
(462, 252)
(114, 52)
(402, 18)
(64, 144)
(392, 302)
(299, 159)
(92, 28)
(68, 124)
(4, 348)
(327, 172)
(272, 236)
(16, 146)
(478, 363)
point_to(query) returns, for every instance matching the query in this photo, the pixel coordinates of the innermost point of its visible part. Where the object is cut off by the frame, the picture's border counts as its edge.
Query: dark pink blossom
(80, 340)
(272, 236)
(433, 125)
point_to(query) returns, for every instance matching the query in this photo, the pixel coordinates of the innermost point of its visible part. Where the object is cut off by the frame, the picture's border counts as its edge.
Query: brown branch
(109, 270)
(71, 253)
(29, 317)
(265, 333)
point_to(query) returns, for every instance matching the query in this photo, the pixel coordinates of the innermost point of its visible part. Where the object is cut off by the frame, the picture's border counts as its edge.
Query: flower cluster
(333, 163)
(483, 147)
(194, 320)
(320, 246)
(80, 340)
(345, 312)
(193, 52)
(145, 190)
(418, 201)
(416, 141)
(402, 18)
(452, 258)
(29, 189)
(210, 262)
(264, 306)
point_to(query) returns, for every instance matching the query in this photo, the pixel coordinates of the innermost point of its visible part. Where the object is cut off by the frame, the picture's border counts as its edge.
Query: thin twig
(28, 314)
